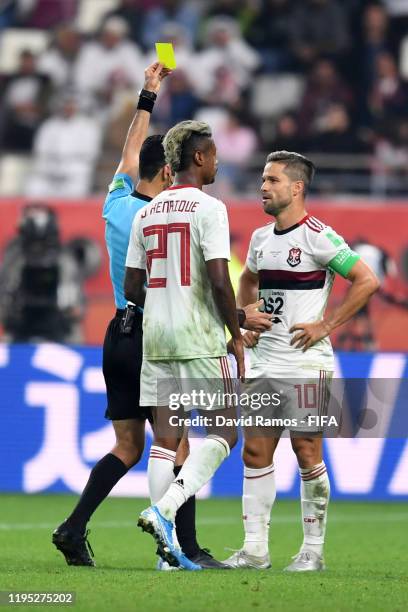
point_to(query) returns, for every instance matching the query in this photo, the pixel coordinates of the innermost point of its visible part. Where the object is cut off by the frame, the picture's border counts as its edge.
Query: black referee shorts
(122, 362)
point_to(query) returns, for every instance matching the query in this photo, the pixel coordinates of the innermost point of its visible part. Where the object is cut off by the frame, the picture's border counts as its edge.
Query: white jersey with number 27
(172, 238)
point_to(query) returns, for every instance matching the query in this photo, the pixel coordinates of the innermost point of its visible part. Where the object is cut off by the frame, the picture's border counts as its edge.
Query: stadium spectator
(7, 14)
(23, 104)
(110, 63)
(65, 151)
(187, 14)
(388, 96)
(373, 39)
(225, 48)
(238, 39)
(270, 34)
(284, 135)
(323, 88)
(46, 14)
(237, 9)
(178, 101)
(225, 90)
(59, 61)
(236, 143)
(334, 133)
(134, 13)
(397, 11)
(319, 27)
(390, 164)
(36, 13)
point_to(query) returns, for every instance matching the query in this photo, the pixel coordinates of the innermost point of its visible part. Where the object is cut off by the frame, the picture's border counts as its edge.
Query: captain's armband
(343, 261)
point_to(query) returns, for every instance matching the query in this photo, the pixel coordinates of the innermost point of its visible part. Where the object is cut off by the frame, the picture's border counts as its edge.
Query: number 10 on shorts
(307, 395)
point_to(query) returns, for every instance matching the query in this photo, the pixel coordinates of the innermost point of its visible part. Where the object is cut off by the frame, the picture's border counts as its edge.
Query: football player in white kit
(291, 264)
(180, 242)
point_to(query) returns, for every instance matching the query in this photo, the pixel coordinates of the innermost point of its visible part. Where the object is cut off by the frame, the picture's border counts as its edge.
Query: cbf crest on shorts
(294, 257)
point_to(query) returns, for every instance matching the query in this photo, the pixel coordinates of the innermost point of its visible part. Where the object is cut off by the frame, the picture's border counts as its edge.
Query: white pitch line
(357, 518)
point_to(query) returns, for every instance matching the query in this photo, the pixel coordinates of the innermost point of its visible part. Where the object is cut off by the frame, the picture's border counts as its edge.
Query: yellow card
(165, 55)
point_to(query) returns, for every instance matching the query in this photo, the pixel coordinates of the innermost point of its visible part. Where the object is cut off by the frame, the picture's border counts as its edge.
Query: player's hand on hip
(257, 321)
(309, 334)
(250, 339)
(236, 347)
(154, 74)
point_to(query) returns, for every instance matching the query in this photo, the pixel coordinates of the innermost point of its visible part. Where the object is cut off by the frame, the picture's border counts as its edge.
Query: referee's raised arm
(129, 163)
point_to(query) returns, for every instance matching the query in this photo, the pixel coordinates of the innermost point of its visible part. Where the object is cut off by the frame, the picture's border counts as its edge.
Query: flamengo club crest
(294, 257)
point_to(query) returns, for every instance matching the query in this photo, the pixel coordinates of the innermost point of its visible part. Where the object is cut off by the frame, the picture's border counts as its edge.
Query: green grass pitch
(366, 556)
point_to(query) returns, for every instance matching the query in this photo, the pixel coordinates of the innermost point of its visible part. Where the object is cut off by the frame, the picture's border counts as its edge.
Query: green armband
(343, 261)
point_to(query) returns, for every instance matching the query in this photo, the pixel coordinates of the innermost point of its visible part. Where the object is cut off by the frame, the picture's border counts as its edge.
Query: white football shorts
(294, 399)
(203, 383)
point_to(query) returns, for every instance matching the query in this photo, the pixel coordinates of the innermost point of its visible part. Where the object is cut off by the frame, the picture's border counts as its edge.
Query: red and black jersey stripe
(290, 279)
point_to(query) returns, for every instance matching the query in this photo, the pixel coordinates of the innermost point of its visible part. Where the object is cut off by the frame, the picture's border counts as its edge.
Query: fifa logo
(294, 257)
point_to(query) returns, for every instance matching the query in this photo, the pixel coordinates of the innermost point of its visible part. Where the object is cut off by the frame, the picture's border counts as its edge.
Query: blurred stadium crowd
(324, 77)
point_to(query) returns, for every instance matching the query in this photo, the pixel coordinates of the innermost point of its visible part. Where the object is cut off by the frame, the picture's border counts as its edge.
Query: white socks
(314, 493)
(160, 471)
(259, 493)
(197, 469)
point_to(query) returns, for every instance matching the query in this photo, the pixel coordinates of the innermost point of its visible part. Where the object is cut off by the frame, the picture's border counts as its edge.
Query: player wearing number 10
(292, 264)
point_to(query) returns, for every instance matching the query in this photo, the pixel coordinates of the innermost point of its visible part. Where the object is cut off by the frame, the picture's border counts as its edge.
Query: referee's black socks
(103, 477)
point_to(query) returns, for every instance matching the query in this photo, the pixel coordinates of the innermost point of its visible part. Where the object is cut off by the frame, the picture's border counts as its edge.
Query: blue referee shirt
(121, 205)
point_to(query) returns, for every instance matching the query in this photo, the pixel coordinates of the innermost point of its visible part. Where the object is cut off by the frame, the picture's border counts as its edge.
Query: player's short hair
(182, 141)
(151, 157)
(297, 166)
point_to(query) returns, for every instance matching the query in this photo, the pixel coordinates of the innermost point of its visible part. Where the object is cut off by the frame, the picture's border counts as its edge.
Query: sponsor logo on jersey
(294, 256)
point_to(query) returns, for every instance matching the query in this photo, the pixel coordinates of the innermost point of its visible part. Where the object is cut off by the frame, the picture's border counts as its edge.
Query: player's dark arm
(217, 270)
(135, 289)
(364, 284)
(223, 293)
(129, 163)
(247, 300)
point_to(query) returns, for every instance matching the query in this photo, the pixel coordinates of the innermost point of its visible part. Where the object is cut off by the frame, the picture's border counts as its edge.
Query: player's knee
(307, 452)
(251, 456)
(183, 451)
(167, 442)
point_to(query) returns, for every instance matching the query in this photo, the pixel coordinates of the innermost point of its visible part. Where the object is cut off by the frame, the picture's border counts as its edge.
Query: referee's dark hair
(297, 167)
(151, 157)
